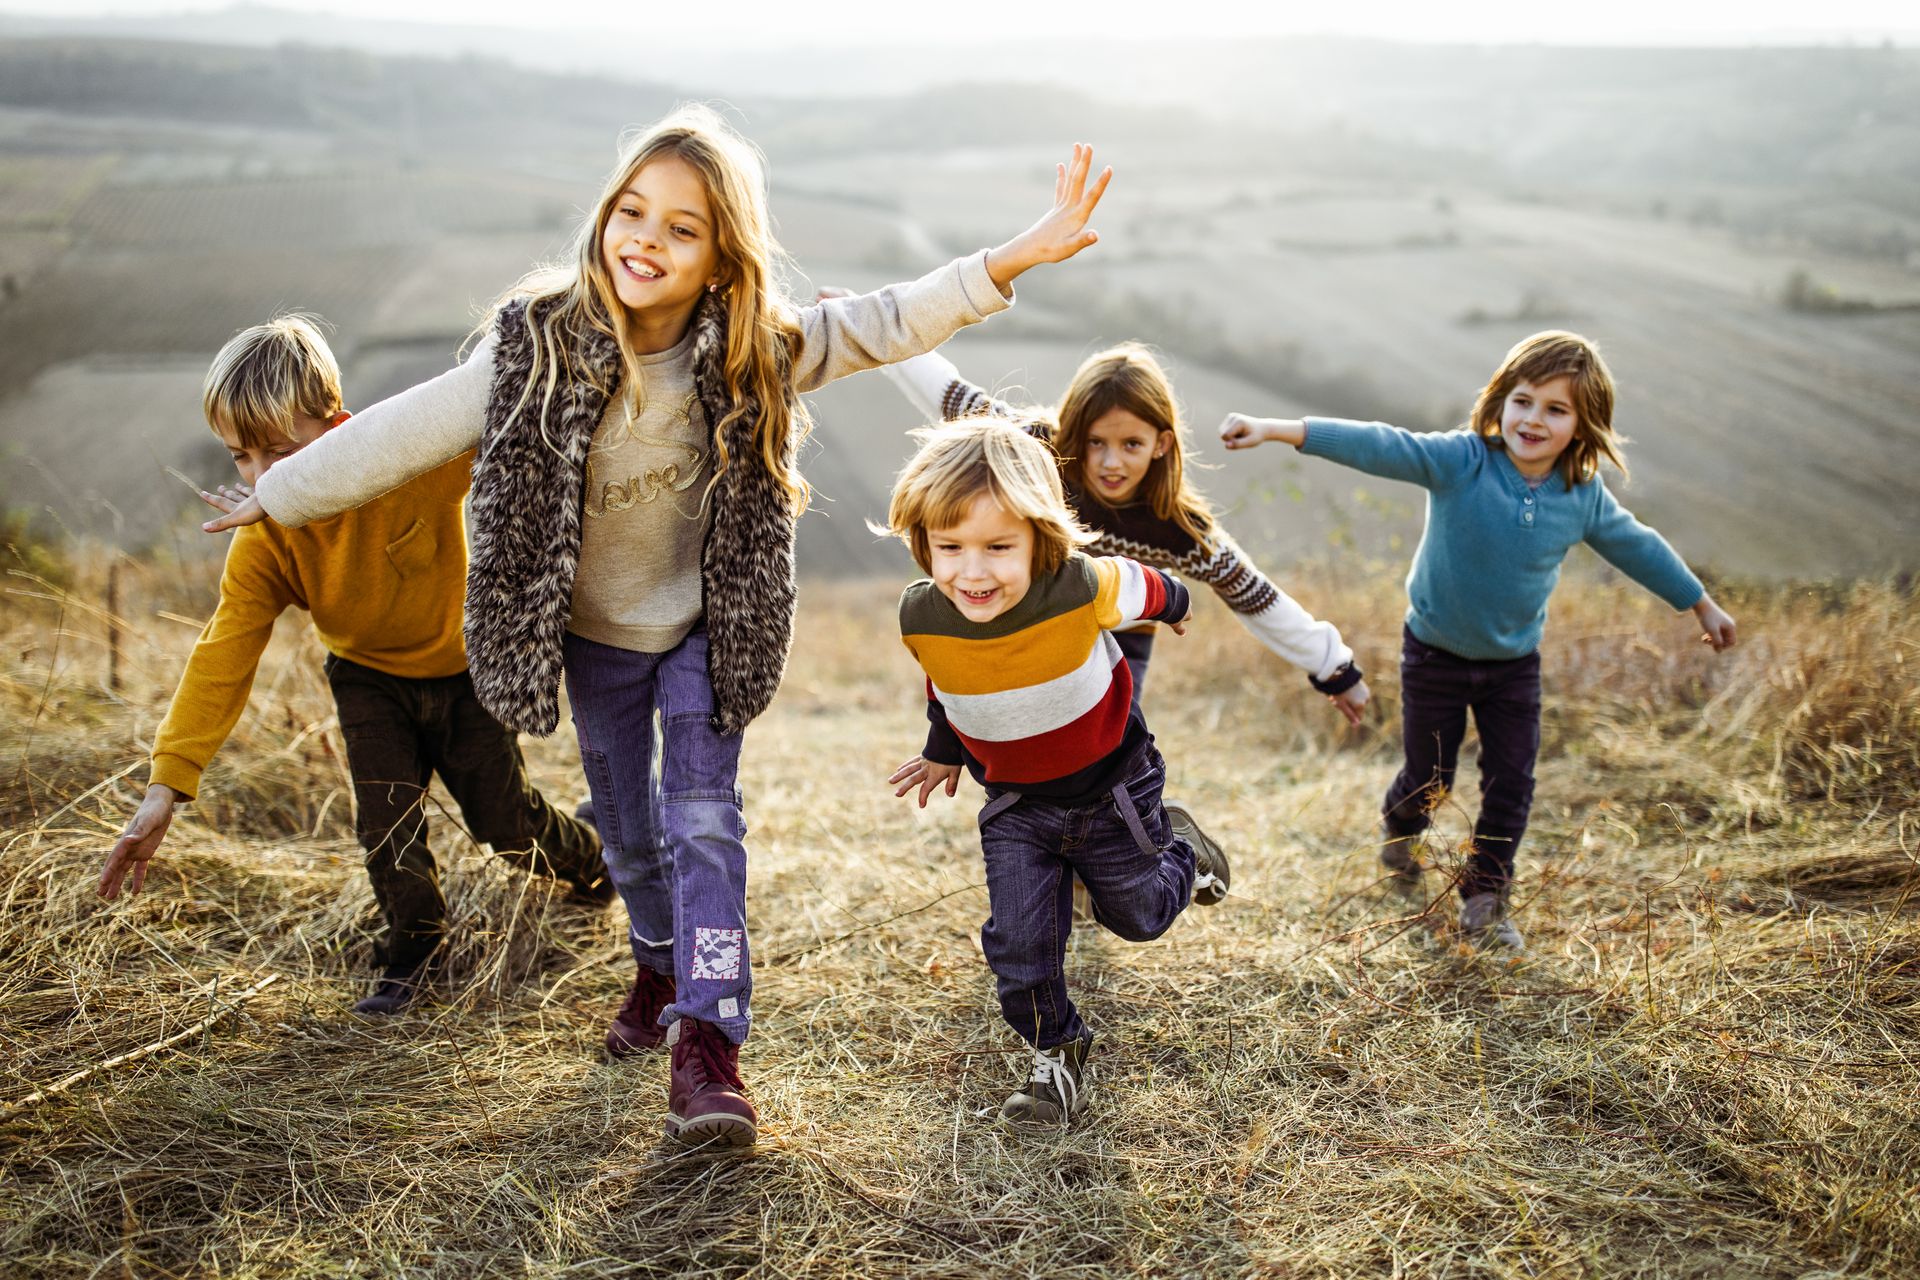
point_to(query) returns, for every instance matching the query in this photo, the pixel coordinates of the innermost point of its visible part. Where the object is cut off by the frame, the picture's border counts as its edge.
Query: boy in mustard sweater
(384, 584)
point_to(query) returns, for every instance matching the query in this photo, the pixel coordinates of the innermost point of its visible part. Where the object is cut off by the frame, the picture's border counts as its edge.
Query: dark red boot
(636, 1028)
(705, 1102)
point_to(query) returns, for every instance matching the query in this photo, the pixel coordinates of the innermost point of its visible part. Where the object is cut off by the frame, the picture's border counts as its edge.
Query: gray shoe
(1483, 918)
(1400, 855)
(1211, 874)
(1057, 1090)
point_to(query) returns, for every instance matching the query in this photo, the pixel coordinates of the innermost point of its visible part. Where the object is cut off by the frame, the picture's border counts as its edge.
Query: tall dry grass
(1705, 1066)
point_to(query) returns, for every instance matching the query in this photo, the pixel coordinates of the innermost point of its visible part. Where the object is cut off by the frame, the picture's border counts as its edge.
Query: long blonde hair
(569, 301)
(1128, 377)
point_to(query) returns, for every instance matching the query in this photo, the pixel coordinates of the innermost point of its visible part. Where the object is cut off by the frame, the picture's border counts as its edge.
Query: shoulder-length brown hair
(1128, 377)
(1550, 355)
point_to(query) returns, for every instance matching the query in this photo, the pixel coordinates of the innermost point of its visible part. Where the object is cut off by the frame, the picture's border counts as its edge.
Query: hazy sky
(978, 21)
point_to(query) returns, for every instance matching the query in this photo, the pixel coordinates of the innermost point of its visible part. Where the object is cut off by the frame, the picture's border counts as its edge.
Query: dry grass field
(1706, 1065)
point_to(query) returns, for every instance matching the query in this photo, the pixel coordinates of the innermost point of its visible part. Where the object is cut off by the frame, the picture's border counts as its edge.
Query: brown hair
(1128, 377)
(762, 335)
(958, 462)
(265, 375)
(1544, 356)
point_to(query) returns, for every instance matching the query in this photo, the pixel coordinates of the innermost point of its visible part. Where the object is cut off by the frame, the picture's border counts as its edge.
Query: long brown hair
(1128, 377)
(1549, 355)
(571, 299)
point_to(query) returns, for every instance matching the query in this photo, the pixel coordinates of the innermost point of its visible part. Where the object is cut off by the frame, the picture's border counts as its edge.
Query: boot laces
(712, 1057)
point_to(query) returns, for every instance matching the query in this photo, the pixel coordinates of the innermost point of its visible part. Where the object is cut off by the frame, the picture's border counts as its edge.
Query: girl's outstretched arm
(1062, 231)
(376, 450)
(1243, 431)
(843, 334)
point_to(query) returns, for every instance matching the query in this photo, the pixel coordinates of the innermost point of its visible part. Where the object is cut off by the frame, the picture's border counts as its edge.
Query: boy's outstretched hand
(925, 774)
(1716, 624)
(1062, 231)
(139, 842)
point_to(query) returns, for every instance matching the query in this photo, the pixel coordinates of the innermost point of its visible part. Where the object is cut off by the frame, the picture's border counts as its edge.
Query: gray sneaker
(1211, 874)
(1483, 918)
(1056, 1092)
(1400, 855)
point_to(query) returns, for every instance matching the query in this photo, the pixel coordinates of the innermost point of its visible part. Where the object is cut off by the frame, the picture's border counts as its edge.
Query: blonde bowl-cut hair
(1552, 354)
(959, 461)
(1127, 376)
(567, 301)
(265, 375)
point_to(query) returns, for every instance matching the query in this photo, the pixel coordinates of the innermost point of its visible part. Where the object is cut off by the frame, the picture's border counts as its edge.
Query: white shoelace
(1052, 1069)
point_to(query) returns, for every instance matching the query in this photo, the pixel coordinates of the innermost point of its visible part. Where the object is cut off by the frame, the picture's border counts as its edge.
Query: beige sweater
(639, 581)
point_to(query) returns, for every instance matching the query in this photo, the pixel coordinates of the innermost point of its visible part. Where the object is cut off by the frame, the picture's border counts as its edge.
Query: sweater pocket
(413, 551)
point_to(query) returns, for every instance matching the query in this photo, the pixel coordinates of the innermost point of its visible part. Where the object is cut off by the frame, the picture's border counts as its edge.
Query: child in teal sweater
(1507, 497)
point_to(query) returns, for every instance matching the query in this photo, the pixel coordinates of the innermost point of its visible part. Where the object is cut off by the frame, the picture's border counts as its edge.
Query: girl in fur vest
(636, 413)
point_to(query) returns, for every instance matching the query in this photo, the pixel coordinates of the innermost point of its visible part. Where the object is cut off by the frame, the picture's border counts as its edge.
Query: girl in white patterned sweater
(1117, 434)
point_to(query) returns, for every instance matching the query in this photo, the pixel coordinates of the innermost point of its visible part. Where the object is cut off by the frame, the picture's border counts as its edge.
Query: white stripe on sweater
(1012, 714)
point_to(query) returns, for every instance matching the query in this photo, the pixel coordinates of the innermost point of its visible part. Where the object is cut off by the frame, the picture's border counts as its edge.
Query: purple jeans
(669, 812)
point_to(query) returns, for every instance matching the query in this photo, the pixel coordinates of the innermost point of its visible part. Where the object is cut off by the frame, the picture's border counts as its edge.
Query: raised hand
(139, 841)
(926, 775)
(1062, 231)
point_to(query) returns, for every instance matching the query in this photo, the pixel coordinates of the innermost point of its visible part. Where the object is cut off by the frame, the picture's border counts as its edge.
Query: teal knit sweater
(1491, 552)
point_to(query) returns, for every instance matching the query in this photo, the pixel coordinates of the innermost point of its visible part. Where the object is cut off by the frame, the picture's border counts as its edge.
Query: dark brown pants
(400, 732)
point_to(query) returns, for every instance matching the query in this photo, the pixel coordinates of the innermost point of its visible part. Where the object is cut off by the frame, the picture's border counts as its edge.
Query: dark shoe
(1057, 1090)
(1400, 855)
(398, 987)
(704, 1100)
(636, 1028)
(1211, 874)
(1483, 919)
(591, 883)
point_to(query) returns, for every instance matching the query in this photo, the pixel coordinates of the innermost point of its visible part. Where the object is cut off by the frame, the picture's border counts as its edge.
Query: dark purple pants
(1437, 689)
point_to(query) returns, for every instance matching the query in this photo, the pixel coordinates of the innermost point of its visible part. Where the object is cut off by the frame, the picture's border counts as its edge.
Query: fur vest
(529, 487)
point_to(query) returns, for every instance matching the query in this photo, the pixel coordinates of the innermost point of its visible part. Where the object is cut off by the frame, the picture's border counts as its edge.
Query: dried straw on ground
(1705, 1067)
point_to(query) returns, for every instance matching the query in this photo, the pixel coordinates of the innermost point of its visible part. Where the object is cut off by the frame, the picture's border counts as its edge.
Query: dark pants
(1137, 648)
(1138, 875)
(1437, 689)
(400, 732)
(676, 832)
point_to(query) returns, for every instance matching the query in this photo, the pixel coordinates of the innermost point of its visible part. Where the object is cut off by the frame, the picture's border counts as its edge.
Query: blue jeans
(669, 812)
(1437, 690)
(1138, 875)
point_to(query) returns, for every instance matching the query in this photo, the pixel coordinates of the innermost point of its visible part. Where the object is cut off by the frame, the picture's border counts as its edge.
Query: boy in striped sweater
(1027, 689)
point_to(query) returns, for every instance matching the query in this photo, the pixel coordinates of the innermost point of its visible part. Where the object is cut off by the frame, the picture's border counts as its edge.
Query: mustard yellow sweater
(384, 583)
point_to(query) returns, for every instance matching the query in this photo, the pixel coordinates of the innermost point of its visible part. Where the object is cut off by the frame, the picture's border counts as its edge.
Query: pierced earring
(713, 286)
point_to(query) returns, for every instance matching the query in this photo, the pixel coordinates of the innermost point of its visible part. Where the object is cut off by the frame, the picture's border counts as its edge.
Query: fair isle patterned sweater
(1277, 620)
(1040, 699)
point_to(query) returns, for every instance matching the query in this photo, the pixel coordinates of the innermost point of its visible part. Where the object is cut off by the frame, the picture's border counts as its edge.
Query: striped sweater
(1040, 700)
(1276, 619)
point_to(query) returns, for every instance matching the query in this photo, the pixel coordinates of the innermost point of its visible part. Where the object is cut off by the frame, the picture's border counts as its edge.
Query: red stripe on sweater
(1066, 750)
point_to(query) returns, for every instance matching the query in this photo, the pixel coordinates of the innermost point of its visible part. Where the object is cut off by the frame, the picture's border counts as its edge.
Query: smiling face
(984, 564)
(1120, 449)
(253, 460)
(1537, 421)
(659, 247)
